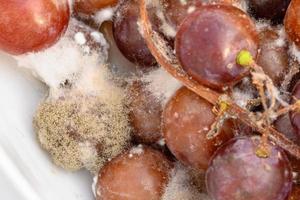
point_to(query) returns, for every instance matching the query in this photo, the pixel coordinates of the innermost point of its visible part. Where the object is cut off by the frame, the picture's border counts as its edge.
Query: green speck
(244, 58)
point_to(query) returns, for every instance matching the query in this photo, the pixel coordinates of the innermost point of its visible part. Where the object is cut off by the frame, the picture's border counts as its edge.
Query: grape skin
(274, 59)
(145, 114)
(141, 173)
(236, 172)
(209, 40)
(185, 128)
(31, 25)
(292, 22)
(127, 36)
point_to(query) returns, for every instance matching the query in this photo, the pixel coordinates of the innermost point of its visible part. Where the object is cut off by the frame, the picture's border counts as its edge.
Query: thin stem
(287, 109)
(261, 82)
(168, 61)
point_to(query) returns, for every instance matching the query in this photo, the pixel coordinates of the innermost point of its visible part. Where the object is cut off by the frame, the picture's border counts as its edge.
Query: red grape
(273, 10)
(90, 6)
(292, 21)
(127, 35)
(236, 172)
(209, 40)
(141, 173)
(295, 116)
(273, 59)
(187, 119)
(145, 114)
(31, 25)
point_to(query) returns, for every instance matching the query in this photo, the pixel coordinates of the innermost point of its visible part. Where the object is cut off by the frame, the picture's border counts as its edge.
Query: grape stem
(166, 58)
(261, 81)
(287, 109)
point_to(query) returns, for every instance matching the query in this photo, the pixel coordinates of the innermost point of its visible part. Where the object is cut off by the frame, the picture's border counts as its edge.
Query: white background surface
(26, 172)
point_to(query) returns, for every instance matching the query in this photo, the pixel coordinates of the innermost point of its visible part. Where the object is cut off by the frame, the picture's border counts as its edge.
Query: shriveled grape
(236, 172)
(209, 40)
(292, 21)
(145, 114)
(31, 25)
(273, 58)
(141, 173)
(187, 119)
(127, 35)
(91, 6)
(273, 10)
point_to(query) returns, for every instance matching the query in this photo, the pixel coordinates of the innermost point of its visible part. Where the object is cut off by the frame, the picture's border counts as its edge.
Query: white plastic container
(26, 172)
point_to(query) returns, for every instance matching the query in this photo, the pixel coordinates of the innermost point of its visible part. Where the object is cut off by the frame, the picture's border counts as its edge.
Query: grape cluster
(215, 46)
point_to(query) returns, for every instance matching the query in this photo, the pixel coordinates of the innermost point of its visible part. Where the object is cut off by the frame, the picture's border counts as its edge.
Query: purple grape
(237, 173)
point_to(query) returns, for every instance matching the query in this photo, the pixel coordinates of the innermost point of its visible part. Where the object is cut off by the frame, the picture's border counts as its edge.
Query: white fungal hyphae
(78, 49)
(138, 150)
(241, 5)
(181, 187)
(281, 41)
(161, 84)
(103, 15)
(83, 121)
(80, 38)
(241, 97)
(295, 52)
(85, 125)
